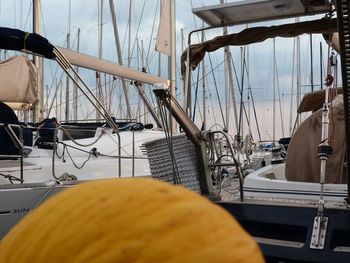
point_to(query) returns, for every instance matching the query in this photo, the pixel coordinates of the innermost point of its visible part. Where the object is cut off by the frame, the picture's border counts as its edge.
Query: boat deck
(232, 194)
(12, 163)
(15, 165)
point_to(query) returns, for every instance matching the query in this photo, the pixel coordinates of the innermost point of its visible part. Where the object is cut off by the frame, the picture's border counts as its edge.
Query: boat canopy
(250, 11)
(18, 81)
(255, 35)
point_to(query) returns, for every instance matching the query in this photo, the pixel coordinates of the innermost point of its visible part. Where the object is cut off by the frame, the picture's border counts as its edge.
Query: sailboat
(29, 174)
(293, 221)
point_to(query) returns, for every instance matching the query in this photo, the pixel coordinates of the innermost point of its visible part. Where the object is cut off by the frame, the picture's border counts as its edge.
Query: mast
(203, 85)
(166, 43)
(67, 77)
(298, 75)
(274, 91)
(311, 65)
(227, 92)
(120, 57)
(61, 97)
(129, 36)
(75, 88)
(240, 122)
(230, 83)
(249, 87)
(172, 58)
(159, 53)
(67, 85)
(143, 87)
(321, 64)
(183, 86)
(56, 99)
(100, 37)
(292, 93)
(38, 62)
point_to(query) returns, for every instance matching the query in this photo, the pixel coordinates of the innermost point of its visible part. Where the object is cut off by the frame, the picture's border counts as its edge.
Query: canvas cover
(18, 81)
(255, 35)
(302, 162)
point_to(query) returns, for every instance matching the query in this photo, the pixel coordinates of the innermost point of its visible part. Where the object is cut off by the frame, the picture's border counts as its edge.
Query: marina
(290, 194)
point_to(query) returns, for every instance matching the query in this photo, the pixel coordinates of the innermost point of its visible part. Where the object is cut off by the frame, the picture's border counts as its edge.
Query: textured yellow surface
(128, 220)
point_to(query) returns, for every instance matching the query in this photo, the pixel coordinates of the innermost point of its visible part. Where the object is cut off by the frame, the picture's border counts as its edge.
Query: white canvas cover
(18, 79)
(302, 162)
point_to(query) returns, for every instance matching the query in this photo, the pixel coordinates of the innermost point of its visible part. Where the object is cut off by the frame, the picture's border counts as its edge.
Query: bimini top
(251, 11)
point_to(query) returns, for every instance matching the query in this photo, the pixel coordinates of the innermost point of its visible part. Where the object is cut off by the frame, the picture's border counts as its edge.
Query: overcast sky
(145, 17)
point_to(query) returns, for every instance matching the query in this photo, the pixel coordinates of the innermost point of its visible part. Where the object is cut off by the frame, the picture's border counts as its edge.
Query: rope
(168, 136)
(26, 35)
(11, 178)
(93, 151)
(80, 144)
(65, 148)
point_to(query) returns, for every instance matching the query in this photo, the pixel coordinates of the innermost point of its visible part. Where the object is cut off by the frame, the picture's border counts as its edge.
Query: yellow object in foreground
(128, 220)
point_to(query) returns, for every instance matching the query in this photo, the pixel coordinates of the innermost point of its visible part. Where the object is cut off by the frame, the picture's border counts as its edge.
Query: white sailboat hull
(269, 184)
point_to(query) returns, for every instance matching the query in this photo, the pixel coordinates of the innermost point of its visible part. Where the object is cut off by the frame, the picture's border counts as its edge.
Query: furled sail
(14, 39)
(18, 81)
(255, 35)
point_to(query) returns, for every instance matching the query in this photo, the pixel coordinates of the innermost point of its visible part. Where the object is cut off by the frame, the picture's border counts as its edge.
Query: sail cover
(14, 39)
(18, 81)
(255, 35)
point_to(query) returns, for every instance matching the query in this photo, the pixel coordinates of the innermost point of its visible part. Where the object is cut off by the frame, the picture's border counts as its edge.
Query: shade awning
(251, 11)
(255, 35)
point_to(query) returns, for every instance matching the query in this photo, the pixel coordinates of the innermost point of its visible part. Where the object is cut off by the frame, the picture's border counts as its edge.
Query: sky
(61, 17)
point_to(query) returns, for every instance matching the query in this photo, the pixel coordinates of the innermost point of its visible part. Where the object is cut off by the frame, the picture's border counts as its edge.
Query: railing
(216, 155)
(15, 135)
(119, 157)
(18, 142)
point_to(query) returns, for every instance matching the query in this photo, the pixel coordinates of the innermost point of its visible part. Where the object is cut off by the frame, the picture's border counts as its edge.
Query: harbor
(275, 170)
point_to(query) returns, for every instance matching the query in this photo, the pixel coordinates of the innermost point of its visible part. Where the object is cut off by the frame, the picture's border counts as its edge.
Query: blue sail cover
(14, 39)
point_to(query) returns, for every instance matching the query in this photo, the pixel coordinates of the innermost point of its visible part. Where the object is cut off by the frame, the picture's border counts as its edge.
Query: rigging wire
(150, 41)
(196, 94)
(291, 131)
(217, 92)
(253, 104)
(138, 28)
(240, 122)
(169, 138)
(240, 92)
(211, 72)
(279, 96)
